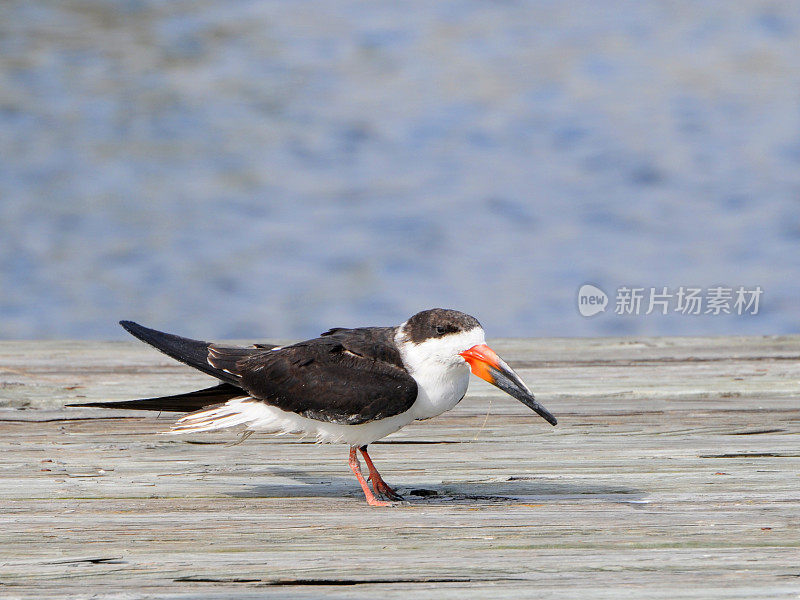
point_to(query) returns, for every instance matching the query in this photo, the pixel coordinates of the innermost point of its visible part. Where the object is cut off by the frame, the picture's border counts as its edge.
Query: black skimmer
(353, 386)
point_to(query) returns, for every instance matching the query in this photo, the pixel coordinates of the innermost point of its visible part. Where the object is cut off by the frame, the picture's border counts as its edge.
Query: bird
(349, 385)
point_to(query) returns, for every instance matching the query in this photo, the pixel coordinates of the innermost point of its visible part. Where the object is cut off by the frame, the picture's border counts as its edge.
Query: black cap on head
(437, 322)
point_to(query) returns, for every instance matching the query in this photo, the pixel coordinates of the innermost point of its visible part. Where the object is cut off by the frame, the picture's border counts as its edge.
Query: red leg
(356, 467)
(378, 484)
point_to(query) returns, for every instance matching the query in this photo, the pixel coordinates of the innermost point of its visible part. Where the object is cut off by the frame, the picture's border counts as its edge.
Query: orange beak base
(480, 359)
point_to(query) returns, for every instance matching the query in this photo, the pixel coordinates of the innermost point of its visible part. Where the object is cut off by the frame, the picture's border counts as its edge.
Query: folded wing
(322, 379)
(346, 376)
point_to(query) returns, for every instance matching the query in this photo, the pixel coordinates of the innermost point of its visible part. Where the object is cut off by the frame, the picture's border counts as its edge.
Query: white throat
(442, 375)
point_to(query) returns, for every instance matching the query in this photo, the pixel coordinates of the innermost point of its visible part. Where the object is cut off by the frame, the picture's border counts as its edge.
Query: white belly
(258, 416)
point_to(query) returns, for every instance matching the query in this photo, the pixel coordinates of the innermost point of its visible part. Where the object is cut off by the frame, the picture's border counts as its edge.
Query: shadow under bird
(352, 386)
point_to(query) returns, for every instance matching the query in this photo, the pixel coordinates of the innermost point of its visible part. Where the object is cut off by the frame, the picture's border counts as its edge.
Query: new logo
(591, 300)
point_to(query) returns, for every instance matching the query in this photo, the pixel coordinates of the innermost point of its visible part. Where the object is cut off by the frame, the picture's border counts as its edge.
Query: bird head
(455, 339)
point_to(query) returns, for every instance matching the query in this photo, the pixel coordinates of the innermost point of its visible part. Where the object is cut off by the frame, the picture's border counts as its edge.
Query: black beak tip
(541, 411)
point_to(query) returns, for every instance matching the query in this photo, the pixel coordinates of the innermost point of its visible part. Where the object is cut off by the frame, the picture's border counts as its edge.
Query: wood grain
(674, 472)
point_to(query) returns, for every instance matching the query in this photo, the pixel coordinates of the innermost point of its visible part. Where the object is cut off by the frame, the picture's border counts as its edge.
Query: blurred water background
(256, 169)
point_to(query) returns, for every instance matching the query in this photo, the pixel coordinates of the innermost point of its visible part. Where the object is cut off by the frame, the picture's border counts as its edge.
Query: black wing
(371, 342)
(347, 376)
(341, 377)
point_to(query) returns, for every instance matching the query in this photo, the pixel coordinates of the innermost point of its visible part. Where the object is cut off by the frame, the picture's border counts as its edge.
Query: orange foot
(378, 484)
(368, 495)
(373, 501)
(382, 488)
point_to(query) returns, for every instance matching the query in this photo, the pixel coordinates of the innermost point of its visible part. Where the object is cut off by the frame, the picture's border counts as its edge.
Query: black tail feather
(194, 353)
(188, 402)
(191, 352)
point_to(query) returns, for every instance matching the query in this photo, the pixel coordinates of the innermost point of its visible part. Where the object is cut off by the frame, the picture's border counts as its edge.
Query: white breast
(439, 390)
(442, 375)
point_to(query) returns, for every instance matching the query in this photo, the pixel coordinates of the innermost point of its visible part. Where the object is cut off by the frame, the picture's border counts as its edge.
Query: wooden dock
(674, 472)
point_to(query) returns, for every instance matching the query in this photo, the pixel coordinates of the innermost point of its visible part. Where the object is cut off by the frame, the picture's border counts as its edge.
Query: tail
(191, 352)
(188, 402)
(194, 353)
(237, 412)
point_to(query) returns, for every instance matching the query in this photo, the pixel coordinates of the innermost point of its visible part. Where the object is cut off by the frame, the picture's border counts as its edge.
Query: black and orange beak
(485, 363)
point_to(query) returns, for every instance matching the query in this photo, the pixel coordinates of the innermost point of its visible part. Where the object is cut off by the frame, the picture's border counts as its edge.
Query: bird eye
(441, 329)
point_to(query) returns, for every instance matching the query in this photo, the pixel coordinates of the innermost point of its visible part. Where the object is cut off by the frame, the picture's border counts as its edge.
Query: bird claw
(392, 495)
(383, 489)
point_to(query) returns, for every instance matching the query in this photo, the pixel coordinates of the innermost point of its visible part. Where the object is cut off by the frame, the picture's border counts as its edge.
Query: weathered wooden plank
(674, 473)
